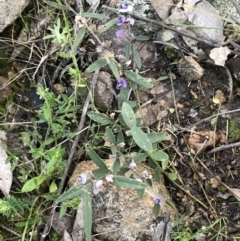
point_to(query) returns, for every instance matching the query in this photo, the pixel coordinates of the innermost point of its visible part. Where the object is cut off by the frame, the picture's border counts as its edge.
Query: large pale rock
(117, 212)
(10, 10)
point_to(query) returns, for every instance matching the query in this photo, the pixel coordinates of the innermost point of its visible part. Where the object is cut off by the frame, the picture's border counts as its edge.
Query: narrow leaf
(99, 117)
(159, 156)
(87, 215)
(155, 137)
(97, 160)
(71, 193)
(56, 5)
(171, 176)
(140, 193)
(95, 15)
(128, 49)
(126, 182)
(110, 136)
(98, 64)
(116, 166)
(128, 115)
(137, 79)
(109, 24)
(123, 95)
(142, 37)
(139, 157)
(99, 173)
(141, 139)
(78, 39)
(137, 59)
(156, 209)
(113, 66)
(157, 176)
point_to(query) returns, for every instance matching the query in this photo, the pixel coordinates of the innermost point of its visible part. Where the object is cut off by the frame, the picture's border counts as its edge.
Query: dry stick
(73, 148)
(206, 119)
(224, 147)
(10, 231)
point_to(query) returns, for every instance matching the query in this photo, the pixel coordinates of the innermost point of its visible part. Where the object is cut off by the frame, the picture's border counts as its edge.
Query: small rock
(5, 89)
(190, 69)
(10, 10)
(103, 92)
(118, 214)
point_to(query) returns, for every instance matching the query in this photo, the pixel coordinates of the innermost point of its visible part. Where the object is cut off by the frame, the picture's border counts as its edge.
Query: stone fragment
(190, 69)
(10, 10)
(118, 214)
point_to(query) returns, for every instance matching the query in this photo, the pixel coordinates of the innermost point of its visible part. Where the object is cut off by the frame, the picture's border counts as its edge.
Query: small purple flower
(132, 166)
(145, 174)
(82, 178)
(122, 83)
(130, 20)
(158, 200)
(121, 20)
(120, 34)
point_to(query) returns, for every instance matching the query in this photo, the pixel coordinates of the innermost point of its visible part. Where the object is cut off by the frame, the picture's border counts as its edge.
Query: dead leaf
(5, 170)
(200, 141)
(220, 95)
(219, 55)
(66, 236)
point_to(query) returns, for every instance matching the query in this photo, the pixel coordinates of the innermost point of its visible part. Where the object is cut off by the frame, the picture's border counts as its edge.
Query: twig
(206, 119)
(11, 231)
(224, 147)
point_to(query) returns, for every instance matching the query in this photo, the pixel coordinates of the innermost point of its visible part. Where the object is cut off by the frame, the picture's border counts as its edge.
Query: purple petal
(121, 20)
(82, 178)
(158, 200)
(120, 34)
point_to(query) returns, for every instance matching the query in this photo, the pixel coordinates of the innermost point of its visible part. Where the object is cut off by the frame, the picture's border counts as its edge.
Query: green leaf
(99, 117)
(164, 164)
(171, 176)
(137, 79)
(120, 137)
(139, 157)
(71, 193)
(113, 66)
(109, 24)
(126, 182)
(137, 59)
(157, 175)
(99, 173)
(56, 5)
(123, 96)
(116, 166)
(98, 64)
(96, 159)
(213, 121)
(128, 115)
(64, 55)
(142, 37)
(156, 209)
(128, 49)
(53, 187)
(141, 139)
(110, 136)
(156, 137)
(163, 78)
(78, 40)
(33, 183)
(95, 15)
(87, 215)
(140, 193)
(159, 155)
